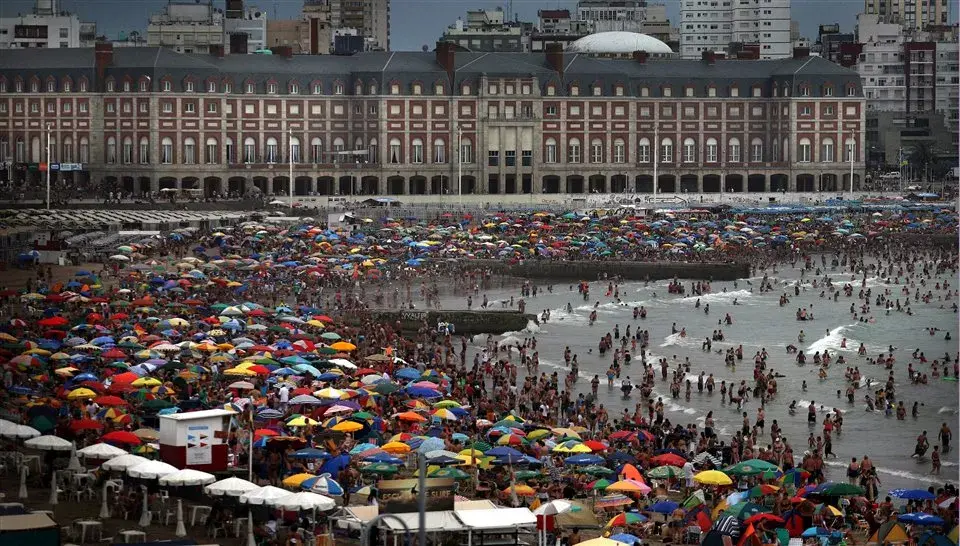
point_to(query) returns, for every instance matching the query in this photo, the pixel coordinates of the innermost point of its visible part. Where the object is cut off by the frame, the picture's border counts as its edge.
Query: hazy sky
(414, 22)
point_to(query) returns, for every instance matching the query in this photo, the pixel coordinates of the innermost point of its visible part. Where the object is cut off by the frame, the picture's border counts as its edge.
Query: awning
(435, 522)
(497, 518)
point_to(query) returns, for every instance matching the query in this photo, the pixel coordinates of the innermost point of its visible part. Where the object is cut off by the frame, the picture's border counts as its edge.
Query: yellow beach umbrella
(712, 477)
(296, 479)
(347, 426)
(240, 371)
(396, 448)
(146, 382)
(81, 394)
(301, 421)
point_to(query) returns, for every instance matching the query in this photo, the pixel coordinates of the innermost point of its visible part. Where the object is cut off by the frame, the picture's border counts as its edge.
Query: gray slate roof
(405, 68)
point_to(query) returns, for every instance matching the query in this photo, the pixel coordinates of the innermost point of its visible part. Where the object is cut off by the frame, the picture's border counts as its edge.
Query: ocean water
(759, 322)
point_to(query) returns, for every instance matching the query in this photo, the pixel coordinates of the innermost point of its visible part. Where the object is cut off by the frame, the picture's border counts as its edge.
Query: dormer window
(574, 90)
(51, 86)
(167, 86)
(294, 88)
(110, 86)
(126, 87)
(272, 88)
(189, 87)
(338, 88)
(143, 86)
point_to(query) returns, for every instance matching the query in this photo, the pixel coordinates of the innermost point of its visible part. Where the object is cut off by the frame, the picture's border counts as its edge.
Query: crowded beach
(314, 411)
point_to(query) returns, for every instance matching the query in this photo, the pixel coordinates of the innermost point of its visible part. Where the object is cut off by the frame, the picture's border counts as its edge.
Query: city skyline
(407, 15)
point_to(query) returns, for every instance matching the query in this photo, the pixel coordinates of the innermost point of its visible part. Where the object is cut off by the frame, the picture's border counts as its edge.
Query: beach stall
(195, 439)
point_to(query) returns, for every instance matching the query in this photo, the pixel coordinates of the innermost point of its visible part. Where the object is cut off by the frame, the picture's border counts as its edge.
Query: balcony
(521, 117)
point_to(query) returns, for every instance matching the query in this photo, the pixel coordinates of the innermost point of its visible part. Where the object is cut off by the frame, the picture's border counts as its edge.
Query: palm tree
(922, 157)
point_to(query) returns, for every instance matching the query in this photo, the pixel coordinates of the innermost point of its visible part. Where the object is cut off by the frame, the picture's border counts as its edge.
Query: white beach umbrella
(145, 515)
(187, 477)
(74, 463)
(181, 528)
(264, 495)
(49, 443)
(151, 470)
(24, 472)
(304, 500)
(101, 451)
(123, 462)
(13, 430)
(230, 487)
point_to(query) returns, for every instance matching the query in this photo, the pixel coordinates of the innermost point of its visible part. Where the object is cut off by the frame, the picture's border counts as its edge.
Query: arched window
(803, 151)
(144, 156)
(357, 146)
(52, 145)
(126, 153)
(249, 150)
(756, 150)
(21, 150)
(439, 151)
(373, 89)
(733, 150)
(573, 150)
(111, 150)
(272, 152)
(643, 150)
(550, 151)
(416, 151)
(373, 150)
(211, 155)
(67, 156)
(596, 151)
(316, 150)
(395, 155)
(689, 150)
(666, 150)
(619, 151)
(849, 150)
(711, 150)
(84, 156)
(229, 153)
(466, 150)
(337, 148)
(166, 151)
(826, 151)
(36, 152)
(189, 151)
(295, 149)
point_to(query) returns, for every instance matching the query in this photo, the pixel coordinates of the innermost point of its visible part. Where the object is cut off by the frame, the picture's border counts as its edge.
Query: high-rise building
(628, 16)
(829, 41)
(912, 14)
(489, 30)
(46, 27)
(908, 98)
(712, 25)
(250, 24)
(371, 18)
(316, 33)
(186, 27)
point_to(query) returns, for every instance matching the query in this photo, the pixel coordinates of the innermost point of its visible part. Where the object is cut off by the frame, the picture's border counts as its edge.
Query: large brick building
(143, 119)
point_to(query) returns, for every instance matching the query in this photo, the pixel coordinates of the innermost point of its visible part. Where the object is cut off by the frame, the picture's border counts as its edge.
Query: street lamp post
(460, 165)
(49, 125)
(290, 161)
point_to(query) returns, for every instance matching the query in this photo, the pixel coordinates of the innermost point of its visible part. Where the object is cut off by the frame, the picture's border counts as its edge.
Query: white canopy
(500, 518)
(151, 470)
(187, 477)
(231, 487)
(49, 443)
(123, 462)
(101, 451)
(264, 495)
(303, 500)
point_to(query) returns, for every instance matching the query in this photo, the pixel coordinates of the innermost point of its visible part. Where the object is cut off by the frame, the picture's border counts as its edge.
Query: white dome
(619, 42)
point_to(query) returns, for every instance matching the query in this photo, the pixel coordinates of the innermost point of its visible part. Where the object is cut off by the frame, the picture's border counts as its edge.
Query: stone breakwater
(465, 322)
(634, 271)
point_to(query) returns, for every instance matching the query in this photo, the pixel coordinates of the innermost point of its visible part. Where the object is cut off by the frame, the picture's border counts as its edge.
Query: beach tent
(931, 538)
(890, 532)
(580, 516)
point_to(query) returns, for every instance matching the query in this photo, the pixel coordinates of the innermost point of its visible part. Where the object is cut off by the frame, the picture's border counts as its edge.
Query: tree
(923, 157)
